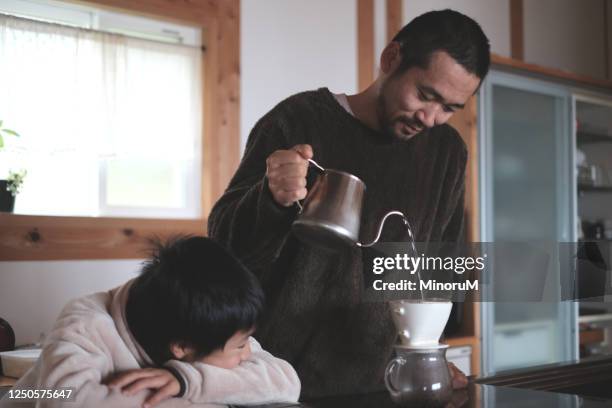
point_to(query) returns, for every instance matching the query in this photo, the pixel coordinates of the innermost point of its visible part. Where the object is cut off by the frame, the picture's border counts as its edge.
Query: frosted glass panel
(524, 166)
(528, 201)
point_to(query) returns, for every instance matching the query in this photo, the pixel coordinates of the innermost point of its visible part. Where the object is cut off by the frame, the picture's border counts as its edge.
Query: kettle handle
(322, 170)
(382, 224)
(393, 365)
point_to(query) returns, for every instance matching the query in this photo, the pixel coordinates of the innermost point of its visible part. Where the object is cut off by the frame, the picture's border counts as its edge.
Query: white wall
(293, 46)
(566, 34)
(380, 31)
(33, 293)
(493, 17)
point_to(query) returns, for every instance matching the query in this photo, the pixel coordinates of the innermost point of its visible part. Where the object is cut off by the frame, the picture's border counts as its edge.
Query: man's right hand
(286, 172)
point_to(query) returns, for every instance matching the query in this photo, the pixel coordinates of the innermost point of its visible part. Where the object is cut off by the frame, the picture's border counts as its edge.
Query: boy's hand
(163, 383)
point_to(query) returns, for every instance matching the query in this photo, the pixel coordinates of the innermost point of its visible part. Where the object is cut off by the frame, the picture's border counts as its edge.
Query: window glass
(109, 124)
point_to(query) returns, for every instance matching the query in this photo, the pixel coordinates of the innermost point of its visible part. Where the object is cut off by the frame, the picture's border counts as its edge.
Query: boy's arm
(261, 379)
(82, 350)
(77, 362)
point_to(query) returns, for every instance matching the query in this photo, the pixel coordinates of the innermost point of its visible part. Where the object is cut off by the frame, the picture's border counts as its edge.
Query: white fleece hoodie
(91, 341)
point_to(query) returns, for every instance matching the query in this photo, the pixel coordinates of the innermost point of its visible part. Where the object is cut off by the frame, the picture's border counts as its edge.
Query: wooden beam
(476, 351)
(606, 50)
(517, 30)
(29, 237)
(394, 18)
(551, 73)
(210, 64)
(365, 43)
(466, 123)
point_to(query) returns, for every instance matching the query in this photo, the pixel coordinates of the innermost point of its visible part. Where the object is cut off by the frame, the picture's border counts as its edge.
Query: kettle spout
(381, 225)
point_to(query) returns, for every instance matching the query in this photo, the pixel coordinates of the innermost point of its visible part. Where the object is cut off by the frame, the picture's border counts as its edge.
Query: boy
(188, 317)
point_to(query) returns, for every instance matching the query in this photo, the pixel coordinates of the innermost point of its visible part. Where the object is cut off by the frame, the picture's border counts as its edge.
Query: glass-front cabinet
(593, 161)
(528, 206)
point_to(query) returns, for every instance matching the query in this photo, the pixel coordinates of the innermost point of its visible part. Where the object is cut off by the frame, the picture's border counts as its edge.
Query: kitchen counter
(588, 377)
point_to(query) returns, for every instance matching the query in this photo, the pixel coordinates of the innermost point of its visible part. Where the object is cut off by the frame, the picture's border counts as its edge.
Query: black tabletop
(475, 396)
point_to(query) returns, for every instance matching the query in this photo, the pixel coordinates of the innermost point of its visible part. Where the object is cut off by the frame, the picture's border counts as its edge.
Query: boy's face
(236, 350)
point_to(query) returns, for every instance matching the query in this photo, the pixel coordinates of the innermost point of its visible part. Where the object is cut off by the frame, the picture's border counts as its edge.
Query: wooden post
(606, 16)
(222, 141)
(517, 32)
(394, 18)
(365, 43)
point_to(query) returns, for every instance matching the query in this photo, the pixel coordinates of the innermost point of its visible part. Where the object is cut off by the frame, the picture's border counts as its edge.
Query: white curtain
(110, 125)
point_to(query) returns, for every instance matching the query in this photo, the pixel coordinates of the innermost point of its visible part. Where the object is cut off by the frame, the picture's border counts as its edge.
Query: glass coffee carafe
(419, 376)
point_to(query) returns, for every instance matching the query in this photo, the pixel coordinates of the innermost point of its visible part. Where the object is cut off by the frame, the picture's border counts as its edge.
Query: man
(393, 136)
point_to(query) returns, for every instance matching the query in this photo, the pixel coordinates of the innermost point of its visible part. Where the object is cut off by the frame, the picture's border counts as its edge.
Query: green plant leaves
(10, 132)
(5, 132)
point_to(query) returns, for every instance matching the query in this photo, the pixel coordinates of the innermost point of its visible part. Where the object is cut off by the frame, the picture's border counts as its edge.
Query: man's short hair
(194, 292)
(444, 30)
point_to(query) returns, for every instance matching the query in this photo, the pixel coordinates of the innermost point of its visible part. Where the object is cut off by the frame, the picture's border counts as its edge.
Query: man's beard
(386, 124)
(386, 127)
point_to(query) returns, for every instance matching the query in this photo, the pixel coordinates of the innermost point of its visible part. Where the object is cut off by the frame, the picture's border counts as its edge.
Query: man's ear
(390, 58)
(180, 350)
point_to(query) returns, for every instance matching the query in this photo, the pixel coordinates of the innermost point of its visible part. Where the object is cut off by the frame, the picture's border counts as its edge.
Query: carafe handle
(322, 170)
(394, 364)
(381, 224)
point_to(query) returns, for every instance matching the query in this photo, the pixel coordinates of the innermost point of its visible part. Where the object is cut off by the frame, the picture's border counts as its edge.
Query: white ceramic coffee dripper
(420, 323)
(418, 375)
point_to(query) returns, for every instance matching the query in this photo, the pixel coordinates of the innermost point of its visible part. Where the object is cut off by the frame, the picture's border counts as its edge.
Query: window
(109, 109)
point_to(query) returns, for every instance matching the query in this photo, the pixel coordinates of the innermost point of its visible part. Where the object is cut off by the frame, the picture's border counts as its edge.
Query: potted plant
(11, 185)
(9, 189)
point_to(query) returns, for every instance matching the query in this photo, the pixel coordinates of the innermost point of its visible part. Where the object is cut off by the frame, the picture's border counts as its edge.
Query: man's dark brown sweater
(316, 318)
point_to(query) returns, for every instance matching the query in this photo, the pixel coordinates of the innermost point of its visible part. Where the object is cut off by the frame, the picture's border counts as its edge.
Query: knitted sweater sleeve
(246, 218)
(261, 379)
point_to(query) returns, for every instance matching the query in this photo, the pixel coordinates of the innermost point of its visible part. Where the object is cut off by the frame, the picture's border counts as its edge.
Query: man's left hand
(459, 379)
(162, 382)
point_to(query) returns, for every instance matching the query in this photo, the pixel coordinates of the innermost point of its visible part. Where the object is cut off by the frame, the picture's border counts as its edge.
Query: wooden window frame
(26, 237)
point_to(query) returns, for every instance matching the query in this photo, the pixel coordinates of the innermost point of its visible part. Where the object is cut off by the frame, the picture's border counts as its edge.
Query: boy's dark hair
(444, 30)
(194, 292)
